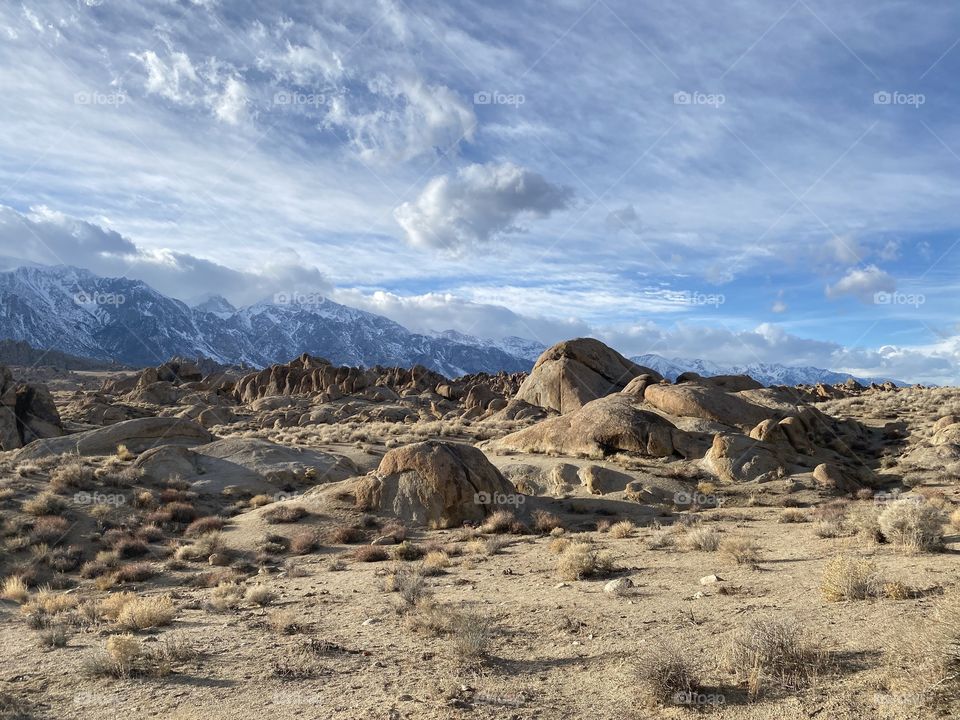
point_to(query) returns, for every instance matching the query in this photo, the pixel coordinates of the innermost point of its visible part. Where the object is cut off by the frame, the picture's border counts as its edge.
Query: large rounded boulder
(572, 373)
(437, 484)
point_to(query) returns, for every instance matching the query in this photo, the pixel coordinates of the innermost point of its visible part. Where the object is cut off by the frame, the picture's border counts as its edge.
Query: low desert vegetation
(701, 538)
(848, 578)
(915, 525)
(285, 514)
(581, 560)
(665, 673)
(741, 550)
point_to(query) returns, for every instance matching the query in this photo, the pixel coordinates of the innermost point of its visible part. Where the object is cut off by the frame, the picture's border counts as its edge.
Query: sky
(743, 182)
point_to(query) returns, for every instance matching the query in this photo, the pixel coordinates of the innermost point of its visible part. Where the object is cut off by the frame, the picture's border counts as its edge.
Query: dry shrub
(774, 654)
(742, 550)
(258, 501)
(848, 578)
(124, 454)
(369, 553)
(204, 525)
(487, 546)
(661, 539)
(48, 602)
(130, 548)
(470, 636)
(664, 673)
(436, 562)
(179, 512)
(408, 583)
(916, 526)
(226, 596)
(834, 511)
(955, 519)
(345, 535)
(701, 538)
(14, 589)
(830, 529)
(286, 622)
(260, 595)
(545, 522)
(73, 475)
(146, 612)
(49, 529)
(135, 572)
(865, 519)
(581, 560)
(285, 514)
(794, 515)
(622, 529)
(304, 542)
(396, 530)
(406, 551)
(499, 522)
(46, 503)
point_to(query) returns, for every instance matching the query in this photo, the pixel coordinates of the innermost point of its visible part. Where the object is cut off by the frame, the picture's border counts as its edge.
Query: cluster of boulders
(27, 412)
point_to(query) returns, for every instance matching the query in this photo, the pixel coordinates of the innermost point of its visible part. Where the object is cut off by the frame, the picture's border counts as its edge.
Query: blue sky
(741, 181)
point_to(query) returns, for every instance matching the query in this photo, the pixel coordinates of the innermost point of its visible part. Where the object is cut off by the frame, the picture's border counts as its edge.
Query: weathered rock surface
(280, 464)
(137, 435)
(27, 412)
(573, 373)
(434, 483)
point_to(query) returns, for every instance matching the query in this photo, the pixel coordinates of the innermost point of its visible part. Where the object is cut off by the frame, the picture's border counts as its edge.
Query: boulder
(945, 422)
(602, 480)
(737, 458)
(280, 464)
(204, 473)
(573, 373)
(562, 478)
(27, 413)
(707, 402)
(137, 435)
(435, 483)
(599, 428)
(833, 479)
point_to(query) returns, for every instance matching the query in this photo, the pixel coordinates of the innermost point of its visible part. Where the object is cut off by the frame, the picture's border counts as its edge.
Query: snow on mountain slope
(766, 373)
(72, 310)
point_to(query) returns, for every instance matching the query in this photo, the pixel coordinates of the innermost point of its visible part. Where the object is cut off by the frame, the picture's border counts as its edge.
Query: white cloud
(231, 105)
(408, 118)
(170, 80)
(477, 204)
(863, 284)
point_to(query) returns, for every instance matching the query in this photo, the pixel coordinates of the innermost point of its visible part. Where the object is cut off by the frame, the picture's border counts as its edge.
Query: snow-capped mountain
(73, 310)
(765, 373)
(512, 345)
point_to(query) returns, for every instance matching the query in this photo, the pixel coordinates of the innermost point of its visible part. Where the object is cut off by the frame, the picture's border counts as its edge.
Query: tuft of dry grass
(913, 525)
(664, 675)
(741, 550)
(204, 525)
(14, 589)
(499, 522)
(409, 584)
(545, 522)
(701, 538)
(369, 553)
(46, 503)
(582, 560)
(848, 578)
(345, 535)
(771, 653)
(304, 542)
(436, 562)
(226, 596)
(622, 529)
(259, 595)
(794, 515)
(141, 613)
(285, 514)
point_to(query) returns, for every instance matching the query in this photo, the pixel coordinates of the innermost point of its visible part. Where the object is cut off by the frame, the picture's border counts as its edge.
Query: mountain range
(73, 311)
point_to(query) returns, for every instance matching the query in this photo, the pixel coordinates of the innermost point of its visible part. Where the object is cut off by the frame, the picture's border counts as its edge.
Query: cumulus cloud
(47, 237)
(477, 204)
(862, 283)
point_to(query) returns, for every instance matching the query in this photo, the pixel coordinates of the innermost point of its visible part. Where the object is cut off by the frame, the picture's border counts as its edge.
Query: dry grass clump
(135, 572)
(434, 563)
(848, 578)
(774, 654)
(201, 526)
(259, 501)
(406, 551)
(124, 657)
(226, 596)
(73, 475)
(582, 560)
(48, 602)
(141, 613)
(741, 550)
(202, 548)
(470, 634)
(304, 542)
(487, 546)
(345, 535)
(545, 522)
(286, 622)
(660, 540)
(369, 553)
(622, 529)
(499, 522)
(260, 595)
(794, 515)
(955, 519)
(46, 503)
(664, 675)
(914, 525)
(14, 589)
(408, 583)
(49, 529)
(285, 514)
(701, 538)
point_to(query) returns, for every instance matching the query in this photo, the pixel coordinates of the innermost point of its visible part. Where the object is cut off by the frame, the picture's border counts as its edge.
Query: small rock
(698, 595)
(385, 540)
(710, 579)
(561, 585)
(218, 559)
(371, 621)
(618, 586)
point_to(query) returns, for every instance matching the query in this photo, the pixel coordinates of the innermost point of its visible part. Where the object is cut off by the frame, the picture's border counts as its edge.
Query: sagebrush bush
(285, 514)
(915, 525)
(701, 538)
(498, 522)
(773, 653)
(742, 550)
(622, 529)
(665, 672)
(14, 589)
(848, 578)
(582, 560)
(46, 503)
